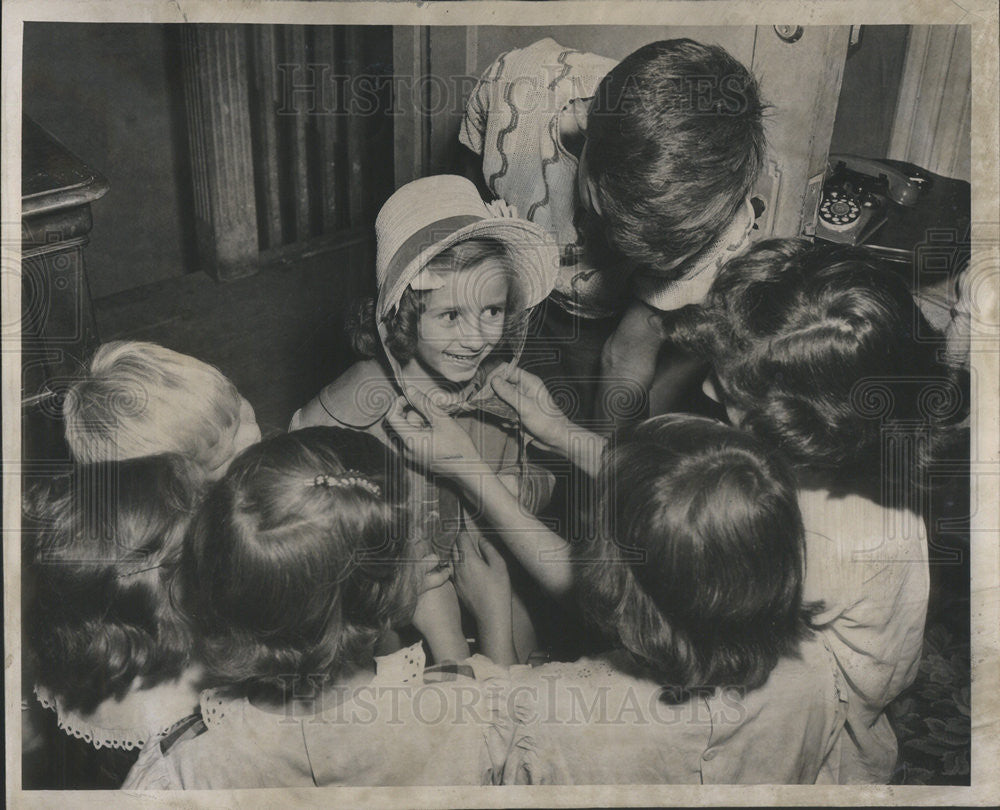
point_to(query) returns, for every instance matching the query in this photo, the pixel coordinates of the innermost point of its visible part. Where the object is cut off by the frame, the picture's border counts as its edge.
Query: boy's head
(699, 570)
(103, 558)
(296, 561)
(675, 141)
(811, 346)
(140, 399)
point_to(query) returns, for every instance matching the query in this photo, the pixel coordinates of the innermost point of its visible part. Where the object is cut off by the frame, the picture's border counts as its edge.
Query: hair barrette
(352, 478)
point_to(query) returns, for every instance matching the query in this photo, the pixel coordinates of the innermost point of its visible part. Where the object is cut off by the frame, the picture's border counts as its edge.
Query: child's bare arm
(438, 619)
(543, 553)
(628, 362)
(435, 441)
(483, 585)
(532, 484)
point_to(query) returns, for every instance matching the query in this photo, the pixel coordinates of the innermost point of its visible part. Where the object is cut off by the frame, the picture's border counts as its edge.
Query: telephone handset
(856, 194)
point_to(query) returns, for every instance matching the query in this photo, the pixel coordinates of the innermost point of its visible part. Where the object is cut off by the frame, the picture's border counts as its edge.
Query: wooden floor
(277, 335)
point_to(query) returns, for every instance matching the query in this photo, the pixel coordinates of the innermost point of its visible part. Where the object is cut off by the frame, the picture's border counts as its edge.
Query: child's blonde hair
(139, 399)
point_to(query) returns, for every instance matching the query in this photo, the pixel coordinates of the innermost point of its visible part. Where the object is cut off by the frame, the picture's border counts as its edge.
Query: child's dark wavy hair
(675, 142)
(289, 578)
(100, 568)
(402, 324)
(820, 347)
(698, 570)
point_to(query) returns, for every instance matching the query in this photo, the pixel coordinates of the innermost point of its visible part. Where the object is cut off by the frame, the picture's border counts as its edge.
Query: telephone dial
(857, 195)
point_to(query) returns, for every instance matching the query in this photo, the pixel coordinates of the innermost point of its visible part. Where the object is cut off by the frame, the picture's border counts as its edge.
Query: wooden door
(800, 74)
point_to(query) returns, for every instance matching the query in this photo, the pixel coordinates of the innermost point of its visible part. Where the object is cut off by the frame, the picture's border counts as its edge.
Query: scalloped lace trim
(403, 666)
(213, 707)
(586, 669)
(73, 724)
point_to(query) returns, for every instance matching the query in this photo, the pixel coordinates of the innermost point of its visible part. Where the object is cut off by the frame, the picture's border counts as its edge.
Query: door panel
(801, 80)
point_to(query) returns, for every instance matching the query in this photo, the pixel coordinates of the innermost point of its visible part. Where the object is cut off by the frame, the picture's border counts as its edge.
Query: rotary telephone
(857, 195)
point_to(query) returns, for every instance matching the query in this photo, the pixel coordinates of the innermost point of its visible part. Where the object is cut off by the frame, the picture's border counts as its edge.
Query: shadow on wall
(872, 76)
(112, 94)
(907, 96)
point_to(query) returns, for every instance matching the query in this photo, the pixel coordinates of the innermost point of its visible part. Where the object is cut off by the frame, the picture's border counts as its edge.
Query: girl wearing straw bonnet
(457, 279)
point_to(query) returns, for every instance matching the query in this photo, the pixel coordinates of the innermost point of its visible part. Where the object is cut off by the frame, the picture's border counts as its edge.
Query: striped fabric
(512, 120)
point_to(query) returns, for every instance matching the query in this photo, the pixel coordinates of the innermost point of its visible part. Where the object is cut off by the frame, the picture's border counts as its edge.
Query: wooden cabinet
(57, 322)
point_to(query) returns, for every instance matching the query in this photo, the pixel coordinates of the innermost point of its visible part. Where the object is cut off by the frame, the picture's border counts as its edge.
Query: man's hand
(433, 572)
(537, 410)
(432, 439)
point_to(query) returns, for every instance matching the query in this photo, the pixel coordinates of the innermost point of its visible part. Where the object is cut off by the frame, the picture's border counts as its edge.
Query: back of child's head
(815, 346)
(402, 332)
(139, 399)
(698, 568)
(102, 561)
(294, 565)
(675, 142)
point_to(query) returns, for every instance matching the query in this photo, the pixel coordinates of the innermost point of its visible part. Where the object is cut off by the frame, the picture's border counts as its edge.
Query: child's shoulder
(154, 769)
(857, 526)
(220, 745)
(809, 671)
(358, 398)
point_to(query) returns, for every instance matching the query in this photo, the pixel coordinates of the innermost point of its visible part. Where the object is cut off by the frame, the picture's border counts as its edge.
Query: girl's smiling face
(463, 321)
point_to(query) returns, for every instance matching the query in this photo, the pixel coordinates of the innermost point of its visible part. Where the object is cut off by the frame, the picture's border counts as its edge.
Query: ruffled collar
(130, 722)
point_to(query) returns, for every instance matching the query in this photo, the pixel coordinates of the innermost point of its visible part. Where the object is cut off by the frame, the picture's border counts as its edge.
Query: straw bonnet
(427, 216)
